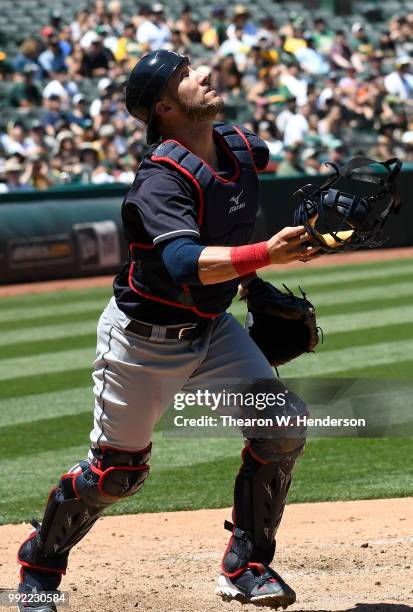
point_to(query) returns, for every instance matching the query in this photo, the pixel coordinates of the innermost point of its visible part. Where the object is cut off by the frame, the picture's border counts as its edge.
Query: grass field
(47, 345)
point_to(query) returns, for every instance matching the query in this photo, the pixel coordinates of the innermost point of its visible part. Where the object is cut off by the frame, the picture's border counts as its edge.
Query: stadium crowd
(313, 93)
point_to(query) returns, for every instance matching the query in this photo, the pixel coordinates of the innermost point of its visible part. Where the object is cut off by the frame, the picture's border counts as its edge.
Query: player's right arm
(187, 261)
(219, 264)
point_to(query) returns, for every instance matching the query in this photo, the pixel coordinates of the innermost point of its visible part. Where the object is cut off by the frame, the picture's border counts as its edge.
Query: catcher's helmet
(146, 83)
(338, 220)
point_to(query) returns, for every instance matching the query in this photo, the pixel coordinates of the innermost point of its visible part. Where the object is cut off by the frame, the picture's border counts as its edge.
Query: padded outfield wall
(77, 231)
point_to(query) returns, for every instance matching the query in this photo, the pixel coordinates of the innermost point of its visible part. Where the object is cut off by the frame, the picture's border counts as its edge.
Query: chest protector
(226, 209)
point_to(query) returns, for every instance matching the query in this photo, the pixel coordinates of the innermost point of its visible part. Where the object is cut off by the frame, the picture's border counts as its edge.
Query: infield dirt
(348, 556)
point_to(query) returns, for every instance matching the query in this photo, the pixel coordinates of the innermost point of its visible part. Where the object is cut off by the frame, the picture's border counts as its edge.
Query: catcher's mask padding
(339, 220)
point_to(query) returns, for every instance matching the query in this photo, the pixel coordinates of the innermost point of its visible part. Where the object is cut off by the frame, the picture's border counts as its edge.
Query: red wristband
(248, 258)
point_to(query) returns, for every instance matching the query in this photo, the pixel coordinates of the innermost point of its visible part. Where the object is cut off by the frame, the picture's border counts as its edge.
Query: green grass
(47, 344)
(199, 473)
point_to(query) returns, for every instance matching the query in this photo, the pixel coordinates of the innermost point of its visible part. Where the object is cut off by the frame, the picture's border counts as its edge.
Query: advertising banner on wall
(98, 245)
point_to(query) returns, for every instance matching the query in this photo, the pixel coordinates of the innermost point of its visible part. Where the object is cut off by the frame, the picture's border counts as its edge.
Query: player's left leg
(260, 494)
(263, 481)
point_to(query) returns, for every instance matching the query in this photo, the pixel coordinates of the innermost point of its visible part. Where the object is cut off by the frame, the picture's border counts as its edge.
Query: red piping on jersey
(140, 245)
(191, 178)
(148, 296)
(245, 139)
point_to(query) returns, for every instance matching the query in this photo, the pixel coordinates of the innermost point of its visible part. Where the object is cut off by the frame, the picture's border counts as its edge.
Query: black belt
(179, 332)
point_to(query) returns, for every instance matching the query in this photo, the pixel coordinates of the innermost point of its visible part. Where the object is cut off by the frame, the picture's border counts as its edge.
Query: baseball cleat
(258, 584)
(38, 589)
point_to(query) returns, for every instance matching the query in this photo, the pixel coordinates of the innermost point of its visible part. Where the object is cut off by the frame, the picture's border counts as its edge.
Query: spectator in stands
(295, 40)
(41, 142)
(294, 82)
(330, 125)
(290, 165)
(188, 26)
(292, 124)
(115, 13)
(105, 88)
(337, 154)
(214, 31)
(241, 21)
(25, 93)
(79, 116)
(267, 130)
(81, 25)
(127, 47)
(225, 77)
(52, 60)
(98, 12)
(61, 85)
(340, 54)
(154, 33)
(269, 32)
(37, 173)
(13, 170)
(75, 62)
(179, 42)
(399, 83)
(16, 141)
(310, 60)
(66, 41)
(97, 59)
(402, 35)
(268, 89)
(386, 44)
(236, 48)
(28, 54)
(55, 20)
(53, 113)
(323, 37)
(311, 163)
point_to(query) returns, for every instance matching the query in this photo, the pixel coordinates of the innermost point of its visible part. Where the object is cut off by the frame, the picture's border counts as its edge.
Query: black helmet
(146, 83)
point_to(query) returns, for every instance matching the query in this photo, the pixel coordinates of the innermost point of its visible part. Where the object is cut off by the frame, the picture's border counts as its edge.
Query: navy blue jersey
(162, 205)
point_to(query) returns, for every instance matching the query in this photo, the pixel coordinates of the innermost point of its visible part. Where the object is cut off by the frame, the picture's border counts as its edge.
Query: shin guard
(76, 503)
(261, 488)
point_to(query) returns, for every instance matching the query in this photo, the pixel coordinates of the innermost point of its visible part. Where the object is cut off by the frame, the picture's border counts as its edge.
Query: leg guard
(80, 498)
(260, 494)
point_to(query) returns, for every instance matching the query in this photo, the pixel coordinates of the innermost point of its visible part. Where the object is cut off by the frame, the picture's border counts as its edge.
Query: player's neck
(199, 140)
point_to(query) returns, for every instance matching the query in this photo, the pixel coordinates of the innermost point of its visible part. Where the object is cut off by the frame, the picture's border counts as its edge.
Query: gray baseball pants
(136, 378)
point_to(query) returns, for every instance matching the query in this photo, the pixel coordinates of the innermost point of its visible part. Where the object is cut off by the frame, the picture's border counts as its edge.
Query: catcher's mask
(345, 221)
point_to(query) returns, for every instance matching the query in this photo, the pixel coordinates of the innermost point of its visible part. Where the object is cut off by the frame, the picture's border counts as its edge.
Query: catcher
(188, 219)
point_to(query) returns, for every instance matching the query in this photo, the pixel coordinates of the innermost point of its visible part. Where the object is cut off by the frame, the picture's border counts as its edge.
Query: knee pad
(78, 500)
(112, 475)
(274, 450)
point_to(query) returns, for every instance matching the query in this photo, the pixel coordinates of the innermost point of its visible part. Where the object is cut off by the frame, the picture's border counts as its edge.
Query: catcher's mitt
(343, 221)
(281, 324)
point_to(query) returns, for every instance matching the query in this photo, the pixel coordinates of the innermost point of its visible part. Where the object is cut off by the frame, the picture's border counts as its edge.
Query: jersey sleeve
(166, 208)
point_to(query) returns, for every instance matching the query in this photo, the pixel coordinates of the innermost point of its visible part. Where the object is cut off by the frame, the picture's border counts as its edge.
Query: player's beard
(204, 111)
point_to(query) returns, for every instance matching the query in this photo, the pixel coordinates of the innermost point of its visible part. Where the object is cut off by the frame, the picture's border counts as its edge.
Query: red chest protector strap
(246, 149)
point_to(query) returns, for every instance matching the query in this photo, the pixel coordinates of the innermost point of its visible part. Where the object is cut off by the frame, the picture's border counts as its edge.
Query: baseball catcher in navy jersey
(188, 219)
